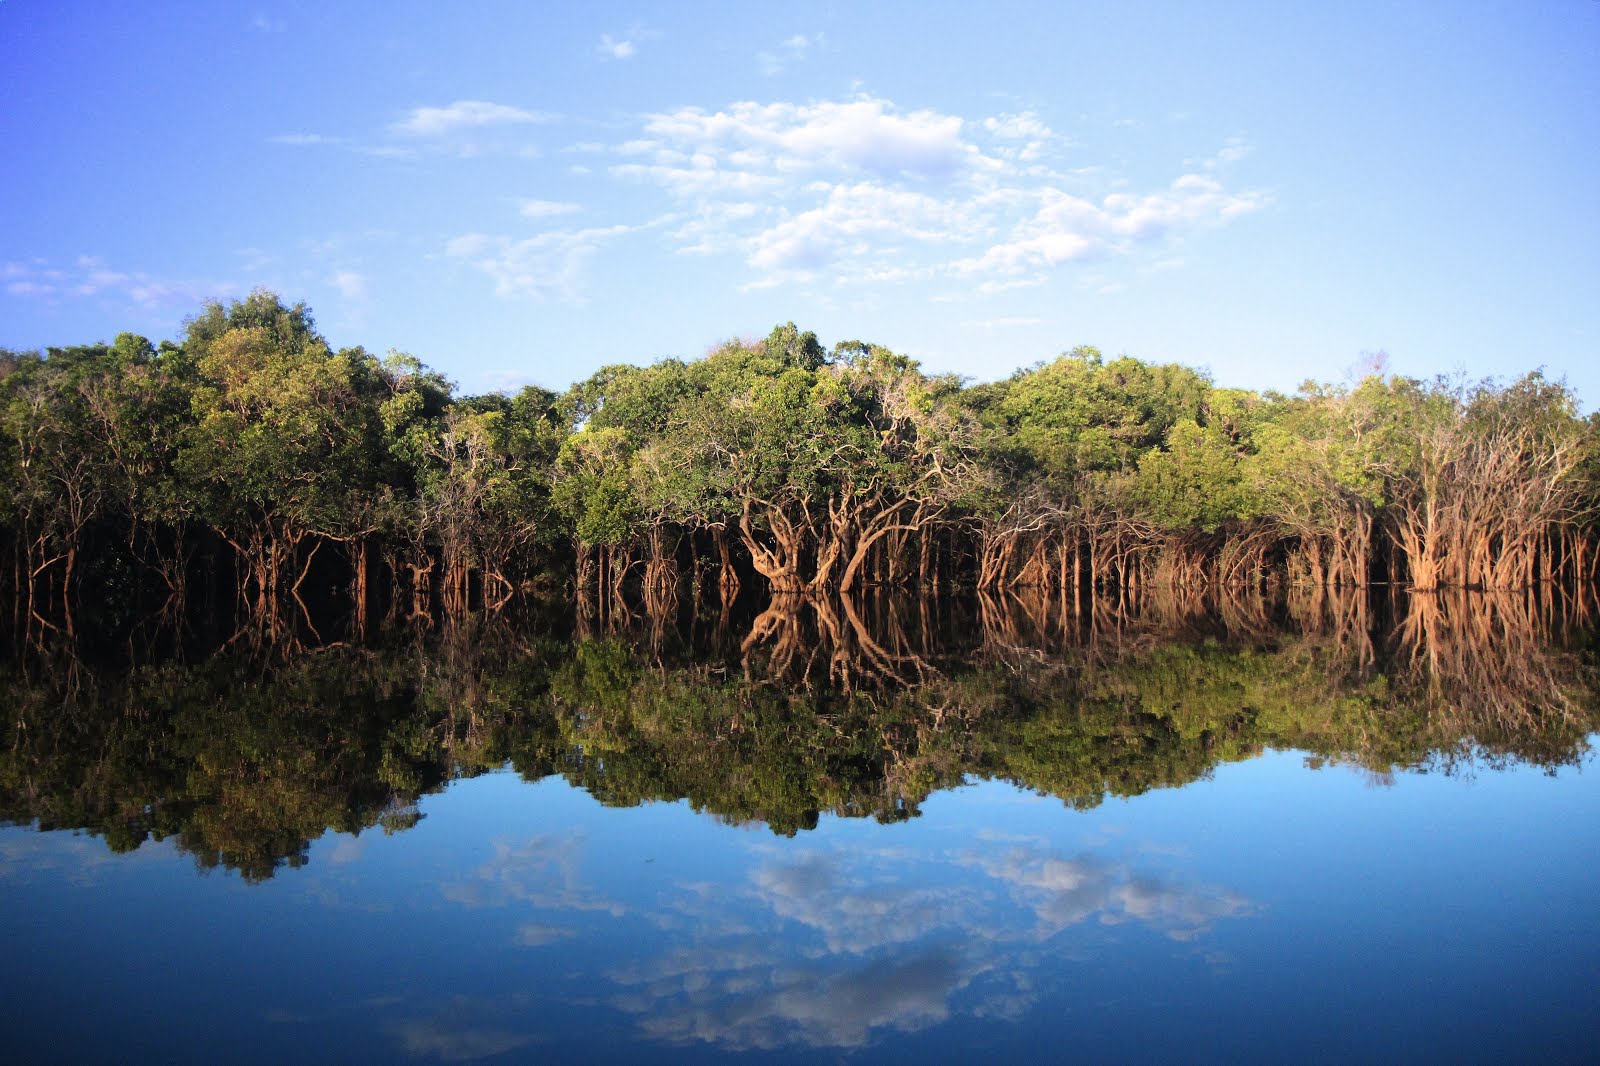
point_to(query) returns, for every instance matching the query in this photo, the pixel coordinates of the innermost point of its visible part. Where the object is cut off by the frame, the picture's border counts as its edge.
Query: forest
(252, 458)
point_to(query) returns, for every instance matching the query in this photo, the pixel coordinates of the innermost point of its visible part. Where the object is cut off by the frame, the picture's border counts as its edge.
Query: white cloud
(91, 277)
(1067, 227)
(462, 115)
(865, 134)
(546, 266)
(701, 181)
(990, 288)
(351, 284)
(856, 222)
(612, 48)
(1023, 137)
(387, 151)
(1023, 126)
(710, 229)
(792, 50)
(862, 191)
(854, 192)
(1234, 150)
(547, 208)
(303, 139)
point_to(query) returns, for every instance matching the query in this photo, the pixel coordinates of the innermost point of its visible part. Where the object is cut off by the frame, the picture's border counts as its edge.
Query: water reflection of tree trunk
(897, 662)
(777, 631)
(862, 640)
(1337, 617)
(1245, 609)
(1486, 662)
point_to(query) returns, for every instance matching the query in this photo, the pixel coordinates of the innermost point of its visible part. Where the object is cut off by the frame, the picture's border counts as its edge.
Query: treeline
(253, 453)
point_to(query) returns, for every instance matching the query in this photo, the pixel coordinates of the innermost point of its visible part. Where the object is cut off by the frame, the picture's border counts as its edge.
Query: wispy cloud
(465, 128)
(866, 135)
(612, 48)
(546, 266)
(90, 277)
(1235, 149)
(307, 139)
(773, 62)
(547, 208)
(852, 216)
(1067, 227)
(465, 115)
(862, 191)
(857, 192)
(352, 285)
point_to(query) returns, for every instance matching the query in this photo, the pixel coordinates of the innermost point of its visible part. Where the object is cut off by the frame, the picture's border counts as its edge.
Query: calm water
(867, 832)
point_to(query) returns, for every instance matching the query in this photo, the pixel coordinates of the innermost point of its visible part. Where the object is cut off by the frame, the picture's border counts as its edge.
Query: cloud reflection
(1064, 892)
(543, 872)
(28, 855)
(831, 948)
(844, 949)
(815, 1003)
(454, 1040)
(856, 911)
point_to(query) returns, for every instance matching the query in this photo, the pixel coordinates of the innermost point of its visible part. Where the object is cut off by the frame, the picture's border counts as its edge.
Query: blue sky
(520, 192)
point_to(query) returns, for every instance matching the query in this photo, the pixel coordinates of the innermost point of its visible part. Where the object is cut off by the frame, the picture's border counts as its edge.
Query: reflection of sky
(849, 943)
(528, 923)
(1063, 892)
(33, 857)
(541, 872)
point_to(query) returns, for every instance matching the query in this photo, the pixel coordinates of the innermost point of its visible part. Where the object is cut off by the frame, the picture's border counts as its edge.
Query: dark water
(1333, 830)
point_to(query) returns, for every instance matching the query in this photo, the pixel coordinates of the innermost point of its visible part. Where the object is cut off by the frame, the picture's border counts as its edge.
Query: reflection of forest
(853, 706)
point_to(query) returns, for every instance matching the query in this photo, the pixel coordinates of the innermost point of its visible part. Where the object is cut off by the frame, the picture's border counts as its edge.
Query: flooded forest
(261, 590)
(250, 462)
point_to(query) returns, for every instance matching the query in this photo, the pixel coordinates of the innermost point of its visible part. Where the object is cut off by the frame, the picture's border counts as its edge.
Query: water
(942, 834)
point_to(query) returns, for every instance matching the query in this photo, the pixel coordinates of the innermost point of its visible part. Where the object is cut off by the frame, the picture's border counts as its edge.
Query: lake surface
(847, 831)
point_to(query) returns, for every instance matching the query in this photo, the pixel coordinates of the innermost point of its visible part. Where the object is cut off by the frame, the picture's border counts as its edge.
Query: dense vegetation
(253, 453)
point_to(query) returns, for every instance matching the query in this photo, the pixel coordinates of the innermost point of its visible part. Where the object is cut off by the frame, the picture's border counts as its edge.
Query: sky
(524, 192)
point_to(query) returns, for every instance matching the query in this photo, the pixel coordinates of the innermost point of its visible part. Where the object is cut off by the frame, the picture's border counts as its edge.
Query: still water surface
(1213, 840)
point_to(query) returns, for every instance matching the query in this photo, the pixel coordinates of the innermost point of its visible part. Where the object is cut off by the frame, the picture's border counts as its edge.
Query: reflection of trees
(855, 706)
(1484, 668)
(842, 641)
(242, 763)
